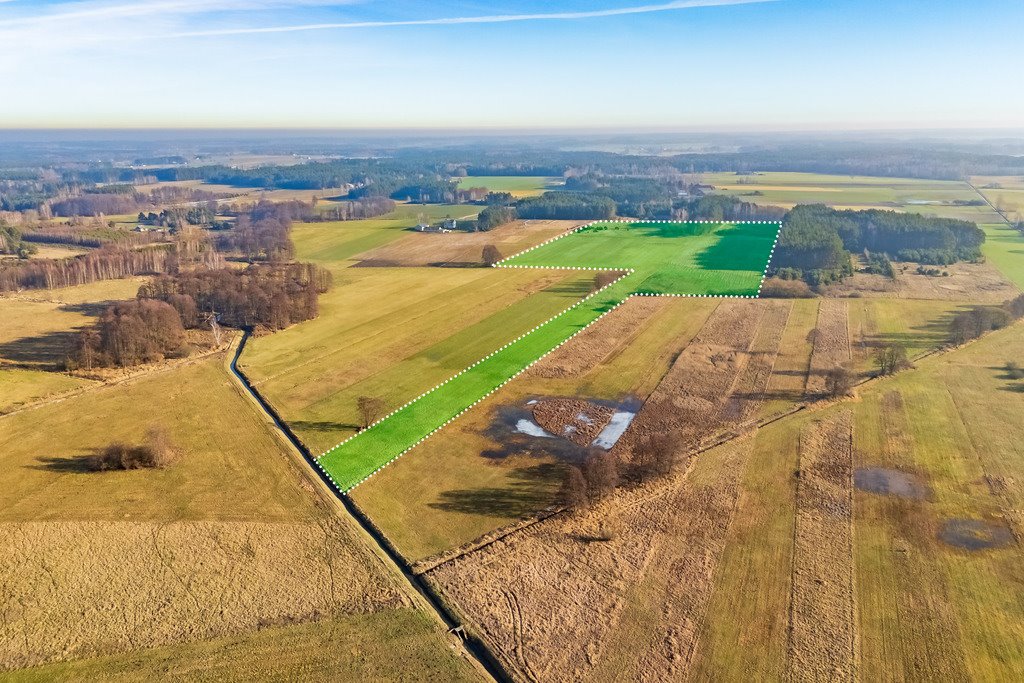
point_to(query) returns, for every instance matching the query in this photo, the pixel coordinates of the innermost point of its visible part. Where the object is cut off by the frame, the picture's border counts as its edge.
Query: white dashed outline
(626, 273)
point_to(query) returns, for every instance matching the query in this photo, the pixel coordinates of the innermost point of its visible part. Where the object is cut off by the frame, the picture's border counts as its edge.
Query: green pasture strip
(352, 461)
(711, 259)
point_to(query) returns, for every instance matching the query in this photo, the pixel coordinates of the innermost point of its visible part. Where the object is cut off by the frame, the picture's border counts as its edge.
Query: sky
(619, 64)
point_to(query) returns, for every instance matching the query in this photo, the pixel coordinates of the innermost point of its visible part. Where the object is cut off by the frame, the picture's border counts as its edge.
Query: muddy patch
(974, 534)
(888, 482)
(563, 428)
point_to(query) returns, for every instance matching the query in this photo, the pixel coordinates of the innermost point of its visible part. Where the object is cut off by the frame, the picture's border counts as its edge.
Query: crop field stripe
(362, 455)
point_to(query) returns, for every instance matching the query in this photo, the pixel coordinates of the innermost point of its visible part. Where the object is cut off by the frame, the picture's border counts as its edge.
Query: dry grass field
(464, 248)
(38, 327)
(356, 647)
(453, 488)
(931, 197)
(821, 575)
(230, 540)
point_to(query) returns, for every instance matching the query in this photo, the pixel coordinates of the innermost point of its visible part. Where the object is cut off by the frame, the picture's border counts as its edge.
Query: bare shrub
(604, 278)
(777, 288)
(164, 452)
(157, 451)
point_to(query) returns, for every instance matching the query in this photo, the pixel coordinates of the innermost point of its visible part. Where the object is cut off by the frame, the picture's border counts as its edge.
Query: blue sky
(698, 64)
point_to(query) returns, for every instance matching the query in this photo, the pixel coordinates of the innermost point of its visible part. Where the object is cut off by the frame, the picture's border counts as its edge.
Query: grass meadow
(931, 197)
(919, 601)
(517, 186)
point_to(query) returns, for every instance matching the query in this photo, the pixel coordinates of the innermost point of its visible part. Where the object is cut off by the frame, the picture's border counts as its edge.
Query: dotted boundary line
(499, 264)
(628, 271)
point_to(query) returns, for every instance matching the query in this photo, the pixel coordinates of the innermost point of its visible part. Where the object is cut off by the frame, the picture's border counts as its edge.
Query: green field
(519, 186)
(702, 258)
(715, 259)
(1004, 247)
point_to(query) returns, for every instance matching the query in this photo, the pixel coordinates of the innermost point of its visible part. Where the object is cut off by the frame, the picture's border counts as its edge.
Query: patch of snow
(614, 430)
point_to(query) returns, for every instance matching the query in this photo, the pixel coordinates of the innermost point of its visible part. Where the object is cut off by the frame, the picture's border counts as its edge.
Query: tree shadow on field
(42, 352)
(73, 464)
(323, 425)
(531, 489)
(92, 309)
(745, 246)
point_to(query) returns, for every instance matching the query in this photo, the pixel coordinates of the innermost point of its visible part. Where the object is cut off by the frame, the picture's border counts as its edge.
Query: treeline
(122, 199)
(152, 327)
(357, 209)
(911, 237)
(566, 206)
(129, 333)
(107, 263)
(971, 324)
(270, 296)
(816, 242)
(493, 216)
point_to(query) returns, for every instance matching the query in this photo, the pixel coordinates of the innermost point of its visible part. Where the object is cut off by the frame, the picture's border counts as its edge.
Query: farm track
(471, 648)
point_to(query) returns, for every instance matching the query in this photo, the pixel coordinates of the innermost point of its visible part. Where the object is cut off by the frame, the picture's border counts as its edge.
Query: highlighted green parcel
(708, 259)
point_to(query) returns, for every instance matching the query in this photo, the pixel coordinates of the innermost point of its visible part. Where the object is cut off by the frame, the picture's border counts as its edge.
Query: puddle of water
(614, 430)
(974, 534)
(889, 482)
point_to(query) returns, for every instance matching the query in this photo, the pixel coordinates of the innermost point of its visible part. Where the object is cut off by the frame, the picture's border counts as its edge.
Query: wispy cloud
(75, 11)
(485, 19)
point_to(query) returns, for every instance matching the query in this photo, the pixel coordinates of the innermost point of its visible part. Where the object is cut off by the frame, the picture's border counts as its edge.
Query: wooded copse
(268, 295)
(152, 327)
(816, 241)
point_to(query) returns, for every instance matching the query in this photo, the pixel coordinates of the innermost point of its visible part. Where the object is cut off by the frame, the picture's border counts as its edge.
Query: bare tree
(370, 409)
(574, 489)
(839, 382)
(656, 456)
(601, 470)
(211, 320)
(891, 358)
(491, 255)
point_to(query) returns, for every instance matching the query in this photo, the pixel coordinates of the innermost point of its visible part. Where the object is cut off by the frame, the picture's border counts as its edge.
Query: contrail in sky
(486, 19)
